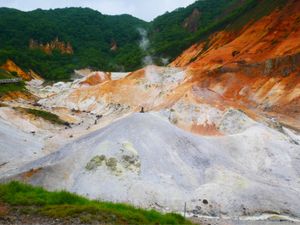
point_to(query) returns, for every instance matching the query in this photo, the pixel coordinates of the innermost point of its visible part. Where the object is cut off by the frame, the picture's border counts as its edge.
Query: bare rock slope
(145, 160)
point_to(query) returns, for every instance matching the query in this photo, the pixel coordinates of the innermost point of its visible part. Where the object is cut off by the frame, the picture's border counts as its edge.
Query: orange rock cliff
(254, 69)
(12, 67)
(65, 48)
(257, 68)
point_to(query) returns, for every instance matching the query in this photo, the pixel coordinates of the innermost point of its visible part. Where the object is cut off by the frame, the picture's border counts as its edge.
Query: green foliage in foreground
(65, 205)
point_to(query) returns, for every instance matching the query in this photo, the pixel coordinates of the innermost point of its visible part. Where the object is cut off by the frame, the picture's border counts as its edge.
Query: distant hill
(97, 40)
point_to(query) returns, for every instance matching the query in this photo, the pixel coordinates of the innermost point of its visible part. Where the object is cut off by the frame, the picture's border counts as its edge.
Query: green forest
(89, 32)
(93, 34)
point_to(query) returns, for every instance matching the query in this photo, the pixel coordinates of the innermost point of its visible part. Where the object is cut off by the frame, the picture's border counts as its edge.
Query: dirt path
(27, 216)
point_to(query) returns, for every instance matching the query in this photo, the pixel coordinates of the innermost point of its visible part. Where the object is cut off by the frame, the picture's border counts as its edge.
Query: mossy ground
(66, 206)
(95, 162)
(48, 116)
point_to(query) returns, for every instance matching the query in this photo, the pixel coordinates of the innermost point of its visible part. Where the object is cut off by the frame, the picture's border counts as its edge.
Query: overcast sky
(144, 9)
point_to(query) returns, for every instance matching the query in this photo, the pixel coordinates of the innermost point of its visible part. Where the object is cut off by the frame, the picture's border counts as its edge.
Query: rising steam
(145, 45)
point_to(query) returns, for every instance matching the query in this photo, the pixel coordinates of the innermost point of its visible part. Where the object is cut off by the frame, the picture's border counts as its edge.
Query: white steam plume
(150, 70)
(144, 45)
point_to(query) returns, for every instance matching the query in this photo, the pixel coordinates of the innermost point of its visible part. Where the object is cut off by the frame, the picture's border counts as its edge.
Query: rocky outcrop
(114, 46)
(35, 75)
(271, 36)
(191, 23)
(96, 78)
(256, 67)
(64, 48)
(12, 67)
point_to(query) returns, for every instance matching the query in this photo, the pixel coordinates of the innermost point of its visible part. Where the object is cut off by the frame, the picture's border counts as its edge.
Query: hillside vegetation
(111, 43)
(173, 32)
(10, 87)
(66, 206)
(90, 33)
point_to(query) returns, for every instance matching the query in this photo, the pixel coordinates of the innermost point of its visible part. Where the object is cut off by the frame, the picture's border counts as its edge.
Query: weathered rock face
(236, 171)
(96, 78)
(114, 46)
(255, 70)
(151, 88)
(12, 67)
(64, 48)
(191, 23)
(272, 36)
(257, 67)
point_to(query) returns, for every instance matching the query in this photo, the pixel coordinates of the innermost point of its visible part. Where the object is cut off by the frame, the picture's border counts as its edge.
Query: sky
(143, 9)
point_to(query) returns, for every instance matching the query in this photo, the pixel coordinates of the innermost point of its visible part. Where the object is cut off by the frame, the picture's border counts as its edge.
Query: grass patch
(6, 88)
(46, 116)
(64, 205)
(52, 118)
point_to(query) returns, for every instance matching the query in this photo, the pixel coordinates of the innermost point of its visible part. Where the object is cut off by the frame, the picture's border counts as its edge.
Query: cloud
(144, 9)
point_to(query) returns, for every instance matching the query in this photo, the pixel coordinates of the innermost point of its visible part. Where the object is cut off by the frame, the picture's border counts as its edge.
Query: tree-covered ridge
(90, 33)
(175, 31)
(111, 43)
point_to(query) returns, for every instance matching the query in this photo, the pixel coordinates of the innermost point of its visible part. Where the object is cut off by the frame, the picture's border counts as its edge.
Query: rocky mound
(144, 160)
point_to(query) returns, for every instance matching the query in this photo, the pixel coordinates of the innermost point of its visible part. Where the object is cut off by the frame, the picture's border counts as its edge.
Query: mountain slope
(100, 41)
(212, 133)
(55, 42)
(212, 175)
(256, 67)
(177, 30)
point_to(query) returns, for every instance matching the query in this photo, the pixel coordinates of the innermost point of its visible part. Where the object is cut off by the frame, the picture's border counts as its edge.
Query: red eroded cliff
(64, 48)
(256, 68)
